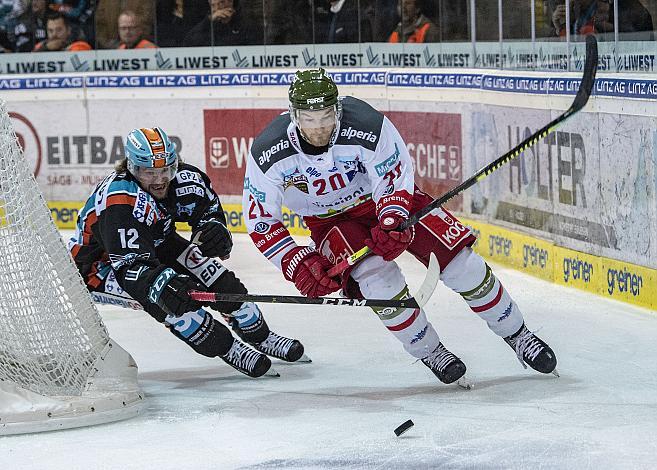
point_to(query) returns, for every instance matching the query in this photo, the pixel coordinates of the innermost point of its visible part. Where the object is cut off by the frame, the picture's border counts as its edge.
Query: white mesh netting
(58, 366)
(50, 331)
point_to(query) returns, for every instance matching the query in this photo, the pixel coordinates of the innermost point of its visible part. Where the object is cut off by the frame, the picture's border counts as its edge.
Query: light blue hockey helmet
(149, 148)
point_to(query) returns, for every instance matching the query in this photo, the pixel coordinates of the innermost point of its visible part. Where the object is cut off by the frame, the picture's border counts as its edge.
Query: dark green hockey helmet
(315, 108)
(312, 89)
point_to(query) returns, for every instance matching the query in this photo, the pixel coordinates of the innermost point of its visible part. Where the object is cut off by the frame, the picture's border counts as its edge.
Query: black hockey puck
(403, 427)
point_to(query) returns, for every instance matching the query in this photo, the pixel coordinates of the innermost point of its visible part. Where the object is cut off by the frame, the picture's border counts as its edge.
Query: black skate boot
(532, 351)
(266, 341)
(247, 361)
(280, 347)
(445, 365)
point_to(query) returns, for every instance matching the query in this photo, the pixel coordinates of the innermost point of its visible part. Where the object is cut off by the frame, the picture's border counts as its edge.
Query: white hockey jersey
(367, 160)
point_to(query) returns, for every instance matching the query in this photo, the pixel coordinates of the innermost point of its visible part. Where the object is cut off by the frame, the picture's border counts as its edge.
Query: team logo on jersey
(192, 189)
(126, 260)
(352, 168)
(259, 195)
(314, 172)
(386, 165)
(267, 154)
(297, 180)
(350, 133)
(261, 227)
(185, 209)
(208, 270)
(145, 209)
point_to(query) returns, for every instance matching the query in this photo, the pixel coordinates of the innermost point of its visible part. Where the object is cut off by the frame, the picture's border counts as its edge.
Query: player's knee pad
(201, 332)
(465, 272)
(379, 278)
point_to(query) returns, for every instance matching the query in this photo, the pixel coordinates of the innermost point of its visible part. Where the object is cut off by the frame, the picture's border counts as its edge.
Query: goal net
(58, 366)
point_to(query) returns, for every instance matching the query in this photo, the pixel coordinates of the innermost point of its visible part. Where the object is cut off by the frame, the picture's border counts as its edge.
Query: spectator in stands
(31, 27)
(286, 22)
(6, 45)
(414, 26)
(175, 18)
(131, 32)
(60, 36)
(341, 21)
(597, 16)
(10, 11)
(384, 20)
(80, 14)
(222, 27)
(107, 18)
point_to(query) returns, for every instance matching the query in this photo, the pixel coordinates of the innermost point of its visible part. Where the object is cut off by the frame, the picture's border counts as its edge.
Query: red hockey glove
(386, 241)
(307, 269)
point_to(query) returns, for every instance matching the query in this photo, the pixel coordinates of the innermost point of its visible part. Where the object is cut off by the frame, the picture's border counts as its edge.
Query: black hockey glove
(169, 292)
(213, 238)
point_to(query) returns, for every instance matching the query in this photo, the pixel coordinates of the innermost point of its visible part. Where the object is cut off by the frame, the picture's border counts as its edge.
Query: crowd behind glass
(59, 25)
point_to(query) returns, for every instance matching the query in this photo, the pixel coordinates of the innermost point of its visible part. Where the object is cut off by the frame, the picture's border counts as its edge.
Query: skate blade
(555, 372)
(465, 384)
(272, 373)
(304, 358)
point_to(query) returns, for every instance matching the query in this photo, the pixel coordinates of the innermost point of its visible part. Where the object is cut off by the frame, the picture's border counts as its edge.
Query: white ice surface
(339, 412)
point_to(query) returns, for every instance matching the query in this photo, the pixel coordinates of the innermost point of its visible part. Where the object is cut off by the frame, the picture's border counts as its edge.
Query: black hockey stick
(420, 298)
(582, 97)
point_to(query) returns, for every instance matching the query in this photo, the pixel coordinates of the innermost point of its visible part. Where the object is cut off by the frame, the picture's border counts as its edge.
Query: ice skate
(280, 347)
(247, 361)
(532, 351)
(274, 345)
(445, 365)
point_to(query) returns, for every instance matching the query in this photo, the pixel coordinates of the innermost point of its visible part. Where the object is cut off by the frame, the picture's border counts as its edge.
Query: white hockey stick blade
(425, 291)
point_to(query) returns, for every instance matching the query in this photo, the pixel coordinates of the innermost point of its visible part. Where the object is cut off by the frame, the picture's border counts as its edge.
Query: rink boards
(544, 259)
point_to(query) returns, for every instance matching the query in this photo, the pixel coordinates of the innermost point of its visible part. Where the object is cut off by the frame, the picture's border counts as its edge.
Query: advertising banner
(626, 56)
(72, 146)
(434, 141)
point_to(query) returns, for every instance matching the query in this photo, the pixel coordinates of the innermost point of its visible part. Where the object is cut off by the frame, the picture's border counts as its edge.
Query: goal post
(58, 366)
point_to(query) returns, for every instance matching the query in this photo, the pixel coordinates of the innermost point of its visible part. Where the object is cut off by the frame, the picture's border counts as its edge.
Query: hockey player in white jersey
(126, 244)
(344, 167)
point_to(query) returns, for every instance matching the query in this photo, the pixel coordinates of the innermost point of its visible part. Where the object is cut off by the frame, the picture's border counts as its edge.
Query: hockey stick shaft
(419, 299)
(116, 300)
(111, 299)
(298, 299)
(581, 98)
